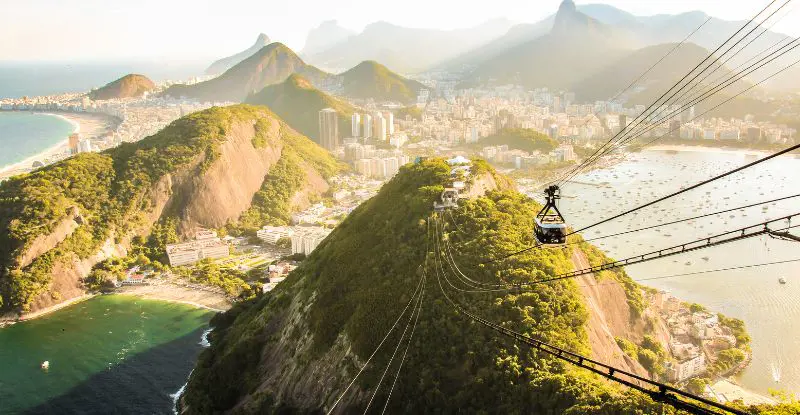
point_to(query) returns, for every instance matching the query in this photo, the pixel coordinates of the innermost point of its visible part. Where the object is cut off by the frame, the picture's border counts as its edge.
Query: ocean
(109, 354)
(19, 79)
(25, 134)
(771, 311)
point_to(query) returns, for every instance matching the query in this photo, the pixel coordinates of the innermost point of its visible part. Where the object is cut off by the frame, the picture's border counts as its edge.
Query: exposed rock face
(212, 189)
(224, 64)
(129, 86)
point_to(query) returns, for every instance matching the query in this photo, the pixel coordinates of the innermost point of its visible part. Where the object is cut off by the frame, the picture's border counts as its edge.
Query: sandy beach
(88, 125)
(207, 299)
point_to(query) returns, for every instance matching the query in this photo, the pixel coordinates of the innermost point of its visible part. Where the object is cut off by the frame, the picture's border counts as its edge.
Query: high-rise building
(328, 129)
(379, 127)
(356, 121)
(74, 139)
(623, 121)
(367, 126)
(389, 116)
(556, 104)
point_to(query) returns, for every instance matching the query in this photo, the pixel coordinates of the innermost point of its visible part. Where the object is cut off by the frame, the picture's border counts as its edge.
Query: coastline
(161, 292)
(88, 124)
(703, 149)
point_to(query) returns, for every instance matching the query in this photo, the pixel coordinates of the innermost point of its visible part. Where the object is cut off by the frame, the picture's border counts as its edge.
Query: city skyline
(72, 30)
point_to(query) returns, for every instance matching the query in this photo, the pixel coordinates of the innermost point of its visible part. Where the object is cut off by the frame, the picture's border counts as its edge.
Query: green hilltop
(296, 348)
(67, 212)
(129, 86)
(370, 79)
(298, 103)
(272, 64)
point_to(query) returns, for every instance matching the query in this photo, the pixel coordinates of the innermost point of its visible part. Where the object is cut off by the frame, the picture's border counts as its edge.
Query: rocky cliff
(324, 339)
(202, 170)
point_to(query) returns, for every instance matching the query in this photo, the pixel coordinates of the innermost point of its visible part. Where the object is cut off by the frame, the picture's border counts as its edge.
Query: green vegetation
(129, 86)
(353, 286)
(298, 103)
(271, 204)
(208, 272)
(650, 353)
(371, 80)
(697, 385)
(633, 291)
(107, 195)
(413, 111)
(272, 64)
(521, 139)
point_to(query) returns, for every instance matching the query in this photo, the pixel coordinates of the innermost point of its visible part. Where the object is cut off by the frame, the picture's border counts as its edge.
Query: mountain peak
(262, 39)
(569, 21)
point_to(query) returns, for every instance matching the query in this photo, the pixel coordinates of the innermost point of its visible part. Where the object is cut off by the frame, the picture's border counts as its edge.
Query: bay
(109, 354)
(24, 134)
(771, 311)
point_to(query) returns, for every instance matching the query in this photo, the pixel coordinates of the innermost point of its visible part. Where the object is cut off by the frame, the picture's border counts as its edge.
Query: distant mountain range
(402, 48)
(276, 62)
(298, 103)
(577, 45)
(325, 36)
(369, 79)
(224, 64)
(129, 86)
(272, 64)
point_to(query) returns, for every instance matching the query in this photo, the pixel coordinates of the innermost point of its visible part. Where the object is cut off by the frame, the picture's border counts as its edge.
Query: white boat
(46, 365)
(782, 280)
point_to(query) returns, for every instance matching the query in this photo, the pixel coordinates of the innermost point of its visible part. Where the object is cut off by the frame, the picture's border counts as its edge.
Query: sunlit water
(25, 134)
(770, 310)
(110, 354)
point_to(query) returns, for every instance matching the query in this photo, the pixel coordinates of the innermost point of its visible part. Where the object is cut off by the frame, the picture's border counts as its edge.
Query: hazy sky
(204, 29)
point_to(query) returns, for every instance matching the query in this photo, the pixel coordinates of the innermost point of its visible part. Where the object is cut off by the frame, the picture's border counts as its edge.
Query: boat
(705, 258)
(782, 280)
(46, 365)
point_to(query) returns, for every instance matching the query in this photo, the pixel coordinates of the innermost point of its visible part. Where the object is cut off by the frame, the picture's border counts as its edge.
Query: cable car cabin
(550, 233)
(449, 199)
(550, 227)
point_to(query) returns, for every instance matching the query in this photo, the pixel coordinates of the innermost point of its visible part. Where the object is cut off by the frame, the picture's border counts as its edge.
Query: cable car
(550, 228)
(449, 199)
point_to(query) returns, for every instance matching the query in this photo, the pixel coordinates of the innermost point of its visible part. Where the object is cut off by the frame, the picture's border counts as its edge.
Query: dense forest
(521, 139)
(351, 291)
(106, 194)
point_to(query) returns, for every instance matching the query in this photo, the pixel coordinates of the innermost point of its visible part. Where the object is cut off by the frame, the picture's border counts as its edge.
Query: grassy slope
(298, 103)
(109, 189)
(360, 280)
(370, 79)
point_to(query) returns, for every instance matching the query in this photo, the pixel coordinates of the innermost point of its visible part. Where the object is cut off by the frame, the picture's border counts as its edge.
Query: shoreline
(703, 149)
(92, 124)
(167, 293)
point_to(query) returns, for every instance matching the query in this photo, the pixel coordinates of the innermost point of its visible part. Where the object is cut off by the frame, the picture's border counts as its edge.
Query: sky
(194, 30)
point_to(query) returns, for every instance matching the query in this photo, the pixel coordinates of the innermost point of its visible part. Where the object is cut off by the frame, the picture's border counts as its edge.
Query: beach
(170, 292)
(88, 125)
(703, 149)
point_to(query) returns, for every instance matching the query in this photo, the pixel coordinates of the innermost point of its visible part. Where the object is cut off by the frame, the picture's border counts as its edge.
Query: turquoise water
(110, 354)
(25, 134)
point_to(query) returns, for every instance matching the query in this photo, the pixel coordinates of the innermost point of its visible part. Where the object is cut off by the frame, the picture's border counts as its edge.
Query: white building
(690, 362)
(306, 239)
(188, 253)
(356, 127)
(272, 234)
(84, 146)
(379, 127)
(389, 116)
(367, 126)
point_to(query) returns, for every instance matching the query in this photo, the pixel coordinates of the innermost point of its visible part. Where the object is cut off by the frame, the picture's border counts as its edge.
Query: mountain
(406, 49)
(629, 32)
(296, 349)
(224, 64)
(237, 165)
(129, 86)
(371, 80)
(576, 45)
(323, 37)
(272, 64)
(298, 103)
